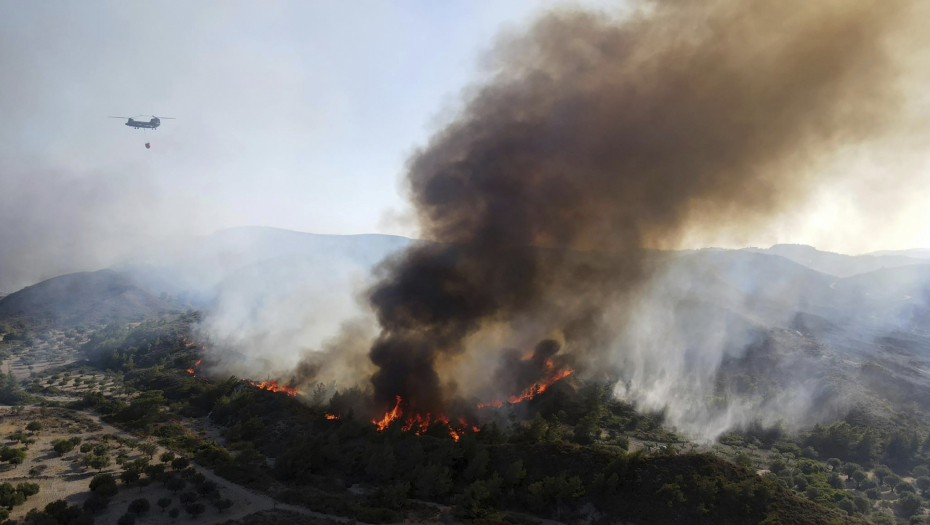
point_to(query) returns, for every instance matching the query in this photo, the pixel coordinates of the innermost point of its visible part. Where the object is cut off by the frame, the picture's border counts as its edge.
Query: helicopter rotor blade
(165, 118)
(119, 117)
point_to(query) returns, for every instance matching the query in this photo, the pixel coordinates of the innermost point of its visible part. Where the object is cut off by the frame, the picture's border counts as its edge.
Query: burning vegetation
(420, 423)
(595, 140)
(270, 385)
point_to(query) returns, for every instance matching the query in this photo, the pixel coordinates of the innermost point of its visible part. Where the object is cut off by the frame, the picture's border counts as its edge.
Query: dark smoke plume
(595, 139)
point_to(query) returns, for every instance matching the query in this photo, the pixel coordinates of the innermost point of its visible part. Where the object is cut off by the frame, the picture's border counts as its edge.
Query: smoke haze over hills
(590, 142)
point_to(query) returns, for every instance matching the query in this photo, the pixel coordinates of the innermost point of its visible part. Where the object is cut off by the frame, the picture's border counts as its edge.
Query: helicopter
(151, 124)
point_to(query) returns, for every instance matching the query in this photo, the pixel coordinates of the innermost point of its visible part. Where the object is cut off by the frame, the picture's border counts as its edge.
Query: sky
(298, 115)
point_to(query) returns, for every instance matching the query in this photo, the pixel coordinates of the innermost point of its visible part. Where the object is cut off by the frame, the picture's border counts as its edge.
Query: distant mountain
(775, 289)
(916, 253)
(86, 297)
(199, 265)
(838, 264)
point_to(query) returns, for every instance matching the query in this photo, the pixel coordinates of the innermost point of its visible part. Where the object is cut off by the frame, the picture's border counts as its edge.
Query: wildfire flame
(532, 391)
(193, 370)
(331, 416)
(419, 423)
(274, 387)
(388, 417)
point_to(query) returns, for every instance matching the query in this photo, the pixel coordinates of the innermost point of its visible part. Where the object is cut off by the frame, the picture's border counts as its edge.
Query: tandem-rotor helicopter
(141, 124)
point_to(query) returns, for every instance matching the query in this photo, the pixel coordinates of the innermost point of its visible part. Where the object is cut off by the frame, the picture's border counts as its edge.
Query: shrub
(28, 489)
(96, 504)
(126, 519)
(175, 484)
(222, 504)
(104, 485)
(195, 509)
(908, 505)
(62, 446)
(139, 506)
(923, 483)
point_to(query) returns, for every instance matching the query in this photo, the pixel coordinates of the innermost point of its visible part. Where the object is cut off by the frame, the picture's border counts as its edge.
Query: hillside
(839, 264)
(196, 266)
(86, 297)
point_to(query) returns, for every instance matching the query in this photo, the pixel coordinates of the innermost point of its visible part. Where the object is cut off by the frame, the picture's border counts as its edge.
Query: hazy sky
(298, 115)
(290, 114)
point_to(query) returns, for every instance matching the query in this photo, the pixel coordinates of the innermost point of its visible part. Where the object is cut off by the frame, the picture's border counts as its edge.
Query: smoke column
(595, 139)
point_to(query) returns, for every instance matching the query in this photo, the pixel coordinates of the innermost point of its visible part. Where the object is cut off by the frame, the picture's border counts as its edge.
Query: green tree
(381, 463)
(587, 430)
(13, 456)
(812, 492)
(923, 483)
(742, 459)
(27, 489)
(554, 429)
(433, 480)
(538, 429)
(34, 427)
(866, 484)
(847, 505)
(891, 480)
(850, 468)
(777, 466)
(908, 505)
(180, 463)
(222, 504)
(514, 474)
(175, 484)
(164, 503)
(61, 512)
(835, 464)
(126, 519)
(100, 462)
(139, 506)
(859, 476)
(477, 464)
(104, 485)
(553, 491)
(148, 449)
(880, 472)
(195, 509)
(129, 476)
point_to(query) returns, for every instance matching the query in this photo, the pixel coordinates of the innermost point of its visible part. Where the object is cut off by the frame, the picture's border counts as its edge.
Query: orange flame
(193, 370)
(530, 392)
(419, 423)
(273, 386)
(388, 417)
(331, 416)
